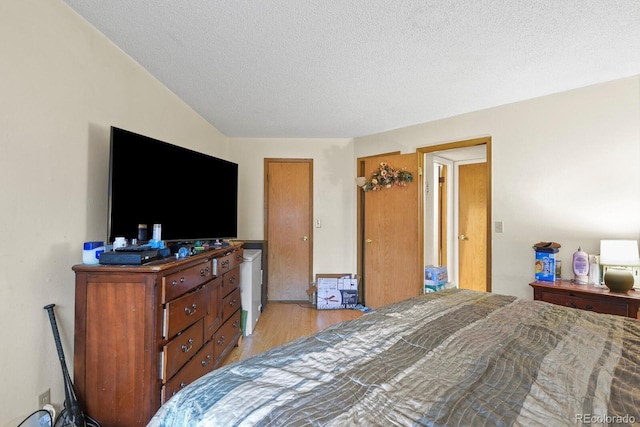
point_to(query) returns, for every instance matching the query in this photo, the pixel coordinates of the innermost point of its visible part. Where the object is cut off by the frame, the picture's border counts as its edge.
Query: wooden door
(391, 256)
(472, 226)
(288, 211)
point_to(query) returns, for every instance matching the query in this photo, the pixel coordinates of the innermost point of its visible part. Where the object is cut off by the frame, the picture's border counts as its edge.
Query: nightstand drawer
(598, 299)
(585, 303)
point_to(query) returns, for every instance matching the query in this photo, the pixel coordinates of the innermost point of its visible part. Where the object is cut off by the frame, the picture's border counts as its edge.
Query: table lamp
(618, 259)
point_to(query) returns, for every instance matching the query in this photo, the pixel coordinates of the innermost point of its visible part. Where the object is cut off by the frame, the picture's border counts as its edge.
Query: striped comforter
(450, 358)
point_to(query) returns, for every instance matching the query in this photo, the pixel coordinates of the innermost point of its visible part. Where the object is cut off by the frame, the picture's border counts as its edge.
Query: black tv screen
(193, 196)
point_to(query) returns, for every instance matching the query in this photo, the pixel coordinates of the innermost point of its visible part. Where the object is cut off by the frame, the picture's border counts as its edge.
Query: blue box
(545, 266)
(435, 275)
(434, 288)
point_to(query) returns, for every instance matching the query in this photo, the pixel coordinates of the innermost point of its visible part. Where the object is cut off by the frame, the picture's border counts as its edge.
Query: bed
(449, 358)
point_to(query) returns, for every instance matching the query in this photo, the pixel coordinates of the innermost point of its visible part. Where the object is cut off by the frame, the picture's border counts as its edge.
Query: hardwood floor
(283, 322)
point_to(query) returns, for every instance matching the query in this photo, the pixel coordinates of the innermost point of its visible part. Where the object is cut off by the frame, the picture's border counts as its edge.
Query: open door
(392, 236)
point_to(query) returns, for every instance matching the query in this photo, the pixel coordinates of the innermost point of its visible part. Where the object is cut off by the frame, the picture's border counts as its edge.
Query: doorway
(457, 210)
(288, 211)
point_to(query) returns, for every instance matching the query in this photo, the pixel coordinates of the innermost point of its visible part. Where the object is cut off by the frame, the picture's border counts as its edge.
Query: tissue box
(545, 266)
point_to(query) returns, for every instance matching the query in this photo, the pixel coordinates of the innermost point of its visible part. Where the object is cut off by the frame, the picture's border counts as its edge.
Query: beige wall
(334, 194)
(62, 86)
(566, 168)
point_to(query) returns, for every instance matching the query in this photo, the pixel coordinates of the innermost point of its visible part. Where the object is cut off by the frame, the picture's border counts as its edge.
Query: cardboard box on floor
(336, 291)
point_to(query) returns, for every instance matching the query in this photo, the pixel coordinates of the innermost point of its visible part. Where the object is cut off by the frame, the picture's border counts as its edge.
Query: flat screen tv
(193, 196)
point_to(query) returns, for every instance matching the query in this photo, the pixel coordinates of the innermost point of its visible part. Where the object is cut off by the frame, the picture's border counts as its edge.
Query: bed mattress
(449, 358)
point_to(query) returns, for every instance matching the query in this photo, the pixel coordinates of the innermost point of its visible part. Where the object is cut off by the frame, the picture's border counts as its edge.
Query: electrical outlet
(499, 227)
(44, 398)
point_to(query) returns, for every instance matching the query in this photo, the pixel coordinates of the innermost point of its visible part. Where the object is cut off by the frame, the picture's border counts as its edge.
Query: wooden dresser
(144, 332)
(588, 297)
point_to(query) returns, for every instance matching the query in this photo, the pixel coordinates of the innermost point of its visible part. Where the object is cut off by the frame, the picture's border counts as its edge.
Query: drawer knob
(232, 280)
(589, 307)
(573, 304)
(236, 323)
(175, 282)
(204, 271)
(221, 340)
(188, 348)
(191, 310)
(232, 302)
(206, 361)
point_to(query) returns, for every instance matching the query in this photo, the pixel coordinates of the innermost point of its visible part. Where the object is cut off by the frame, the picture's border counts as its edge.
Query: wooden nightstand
(588, 297)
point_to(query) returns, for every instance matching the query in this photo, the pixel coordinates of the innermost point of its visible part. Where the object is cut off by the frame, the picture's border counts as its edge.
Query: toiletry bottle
(120, 242)
(142, 233)
(580, 266)
(594, 270)
(157, 232)
(91, 252)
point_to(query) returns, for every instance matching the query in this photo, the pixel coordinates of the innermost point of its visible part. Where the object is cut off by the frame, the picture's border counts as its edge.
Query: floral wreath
(386, 177)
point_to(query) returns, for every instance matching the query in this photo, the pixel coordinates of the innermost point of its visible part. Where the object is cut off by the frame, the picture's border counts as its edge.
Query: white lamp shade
(619, 252)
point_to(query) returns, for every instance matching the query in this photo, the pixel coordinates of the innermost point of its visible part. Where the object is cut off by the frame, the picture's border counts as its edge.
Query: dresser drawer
(586, 303)
(201, 364)
(183, 311)
(226, 335)
(230, 281)
(230, 304)
(214, 310)
(230, 261)
(176, 284)
(180, 349)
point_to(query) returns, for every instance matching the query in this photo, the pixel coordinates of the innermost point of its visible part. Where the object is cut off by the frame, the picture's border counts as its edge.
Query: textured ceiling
(329, 68)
